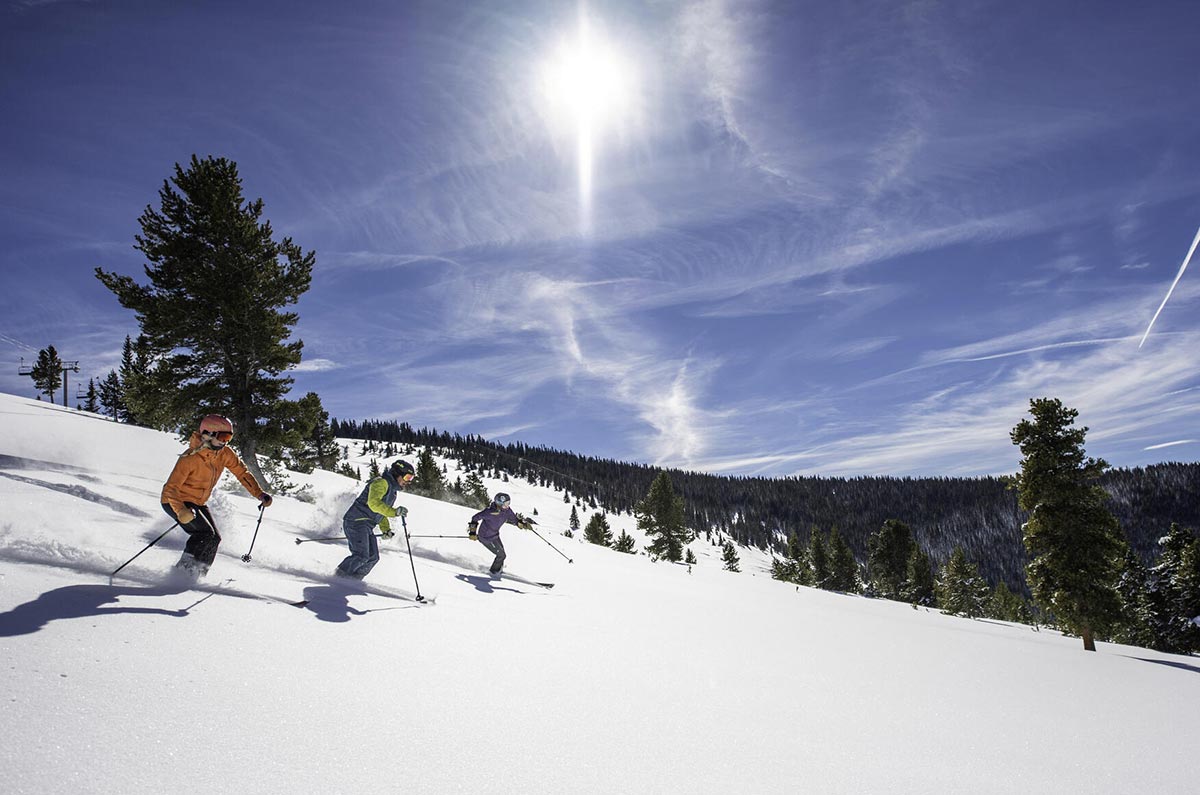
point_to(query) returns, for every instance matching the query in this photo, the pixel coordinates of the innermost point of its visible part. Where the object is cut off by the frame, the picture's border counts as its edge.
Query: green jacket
(376, 504)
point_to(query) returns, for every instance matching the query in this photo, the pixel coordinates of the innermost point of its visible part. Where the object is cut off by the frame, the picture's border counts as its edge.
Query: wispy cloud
(315, 366)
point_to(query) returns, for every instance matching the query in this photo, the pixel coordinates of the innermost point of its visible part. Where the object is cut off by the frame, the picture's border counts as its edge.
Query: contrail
(1178, 276)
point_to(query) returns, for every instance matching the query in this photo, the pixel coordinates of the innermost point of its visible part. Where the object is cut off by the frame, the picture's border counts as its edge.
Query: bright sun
(588, 87)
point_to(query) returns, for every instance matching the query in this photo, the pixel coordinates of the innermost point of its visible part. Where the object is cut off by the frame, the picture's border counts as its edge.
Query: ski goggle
(220, 436)
(408, 477)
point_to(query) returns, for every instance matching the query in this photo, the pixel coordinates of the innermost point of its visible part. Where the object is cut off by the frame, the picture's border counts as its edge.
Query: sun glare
(588, 87)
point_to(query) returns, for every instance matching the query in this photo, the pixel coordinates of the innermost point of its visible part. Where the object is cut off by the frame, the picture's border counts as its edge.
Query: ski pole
(246, 557)
(327, 539)
(410, 559)
(152, 543)
(556, 549)
(420, 536)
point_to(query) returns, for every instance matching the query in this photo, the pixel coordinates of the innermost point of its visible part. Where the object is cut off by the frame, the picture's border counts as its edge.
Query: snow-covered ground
(629, 676)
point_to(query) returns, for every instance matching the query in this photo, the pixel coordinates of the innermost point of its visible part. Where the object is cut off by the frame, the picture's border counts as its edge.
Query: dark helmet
(401, 470)
(501, 500)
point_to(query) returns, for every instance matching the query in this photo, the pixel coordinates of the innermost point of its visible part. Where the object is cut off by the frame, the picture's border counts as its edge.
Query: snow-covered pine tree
(1170, 616)
(818, 555)
(961, 591)
(843, 568)
(888, 551)
(1136, 625)
(918, 578)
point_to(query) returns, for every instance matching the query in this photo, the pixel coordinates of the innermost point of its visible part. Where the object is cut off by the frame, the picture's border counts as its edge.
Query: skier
(373, 507)
(492, 518)
(191, 483)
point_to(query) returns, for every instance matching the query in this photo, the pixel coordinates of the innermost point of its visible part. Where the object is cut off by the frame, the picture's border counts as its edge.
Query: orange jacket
(197, 471)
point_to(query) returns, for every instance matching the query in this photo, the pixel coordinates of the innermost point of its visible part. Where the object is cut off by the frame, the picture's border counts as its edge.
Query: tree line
(981, 515)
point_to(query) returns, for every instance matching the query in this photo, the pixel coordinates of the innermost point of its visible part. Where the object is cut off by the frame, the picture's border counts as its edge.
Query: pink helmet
(216, 424)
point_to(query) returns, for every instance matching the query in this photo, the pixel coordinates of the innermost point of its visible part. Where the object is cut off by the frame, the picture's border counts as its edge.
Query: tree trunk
(248, 448)
(1089, 643)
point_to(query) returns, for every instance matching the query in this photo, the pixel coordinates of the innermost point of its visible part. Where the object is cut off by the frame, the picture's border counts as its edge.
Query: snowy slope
(629, 676)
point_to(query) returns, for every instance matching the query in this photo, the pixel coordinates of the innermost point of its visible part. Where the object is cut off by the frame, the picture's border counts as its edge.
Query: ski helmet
(501, 500)
(218, 426)
(402, 470)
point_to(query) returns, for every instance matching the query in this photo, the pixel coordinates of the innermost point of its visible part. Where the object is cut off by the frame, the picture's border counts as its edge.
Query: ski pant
(203, 537)
(496, 547)
(364, 549)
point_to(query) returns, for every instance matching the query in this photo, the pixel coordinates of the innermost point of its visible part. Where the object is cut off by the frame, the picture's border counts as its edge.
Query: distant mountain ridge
(980, 514)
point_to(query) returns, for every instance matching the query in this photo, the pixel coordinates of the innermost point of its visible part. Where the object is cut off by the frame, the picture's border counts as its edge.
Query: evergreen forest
(980, 515)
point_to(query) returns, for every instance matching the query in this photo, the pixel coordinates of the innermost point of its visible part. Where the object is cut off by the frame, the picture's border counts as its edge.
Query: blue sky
(741, 237)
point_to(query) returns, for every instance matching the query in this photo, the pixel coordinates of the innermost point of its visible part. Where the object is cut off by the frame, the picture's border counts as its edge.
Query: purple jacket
(490, 520)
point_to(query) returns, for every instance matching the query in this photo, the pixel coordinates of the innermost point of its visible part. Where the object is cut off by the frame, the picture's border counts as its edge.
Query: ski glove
(185, 516)
(471, 534)
(401, 511)
(265, 499)
(386, 534)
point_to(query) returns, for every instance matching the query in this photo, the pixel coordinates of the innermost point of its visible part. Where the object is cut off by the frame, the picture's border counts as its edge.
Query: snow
(628, 676)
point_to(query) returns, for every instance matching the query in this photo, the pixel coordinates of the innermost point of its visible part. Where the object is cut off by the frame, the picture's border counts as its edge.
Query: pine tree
(597, 531)
(660, 517)
(110, 395)
(1005, 605)
(429, 481)
(47, 372)
(475, 491)
(1170, 614)
(819, 557)
(625, 543)
(215, 332)
(784, 569)
(729, 557)
(573, 522)
(843, 568)
(320, 446)
(128, 372)
(918, 578)
(1187, 590)
(888, 551)
(1137, 621)
(961, 591)
(92, 402)
(689, 557)
(1074, 543)
(302, 436)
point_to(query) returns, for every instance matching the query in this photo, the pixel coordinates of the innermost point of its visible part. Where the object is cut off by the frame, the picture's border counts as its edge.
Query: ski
(351, 587)
(516, 578)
